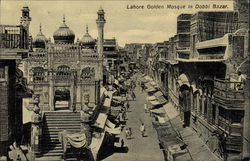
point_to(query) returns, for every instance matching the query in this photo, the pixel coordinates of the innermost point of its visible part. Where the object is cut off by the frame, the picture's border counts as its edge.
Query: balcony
(226, 94)
(234, 131)
(13, 42)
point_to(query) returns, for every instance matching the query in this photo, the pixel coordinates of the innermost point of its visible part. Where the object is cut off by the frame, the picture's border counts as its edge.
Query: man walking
(142, 129)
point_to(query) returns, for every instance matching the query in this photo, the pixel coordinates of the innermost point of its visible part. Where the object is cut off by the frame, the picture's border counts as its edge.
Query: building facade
(66, 70)
(202, 63)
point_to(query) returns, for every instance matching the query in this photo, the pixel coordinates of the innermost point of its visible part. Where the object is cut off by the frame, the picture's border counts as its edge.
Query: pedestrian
(142, 129)
(146, 107)
(124, 117)
(128, 105)
(122, 144)
(130, 132)
(133, 95)
(127, 133)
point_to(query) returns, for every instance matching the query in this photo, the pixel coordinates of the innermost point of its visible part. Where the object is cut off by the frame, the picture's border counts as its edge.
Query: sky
(126, 25)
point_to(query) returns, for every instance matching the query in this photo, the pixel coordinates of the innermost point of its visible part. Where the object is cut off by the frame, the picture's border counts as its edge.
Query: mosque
(66, 69)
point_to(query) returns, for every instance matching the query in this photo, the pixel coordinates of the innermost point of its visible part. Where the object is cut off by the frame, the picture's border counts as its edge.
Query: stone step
(72, 122)
(63, 118)
(54, 126)
(54, 158)
(62, 114)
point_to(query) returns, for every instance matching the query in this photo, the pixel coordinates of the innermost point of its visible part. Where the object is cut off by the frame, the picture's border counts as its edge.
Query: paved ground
(139, 148)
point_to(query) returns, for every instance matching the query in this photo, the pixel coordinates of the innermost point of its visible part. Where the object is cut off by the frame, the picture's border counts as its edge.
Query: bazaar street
(139, 148)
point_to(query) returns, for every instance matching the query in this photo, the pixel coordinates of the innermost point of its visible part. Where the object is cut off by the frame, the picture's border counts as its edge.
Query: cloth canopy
(158, 93)
(103, 90)
(153, 83)
(151, 98)
(26, 112)
(183, 80)
(119, 98)
(162, 100)
(77, 140)
(155, 103)
(107, 102)
(96, 143)
(118, 108)
(116, 81)
(158, 111)
(110, 124)
(101, 120)
(114, 113)
(115, 131)
(151, 89)
(161, 120)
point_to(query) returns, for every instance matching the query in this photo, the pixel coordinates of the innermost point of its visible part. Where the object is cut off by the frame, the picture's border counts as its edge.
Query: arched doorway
(185, 98)
(62, 99)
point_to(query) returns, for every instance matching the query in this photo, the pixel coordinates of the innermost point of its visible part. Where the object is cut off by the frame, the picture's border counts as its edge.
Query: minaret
(100, 21)
(25, 19)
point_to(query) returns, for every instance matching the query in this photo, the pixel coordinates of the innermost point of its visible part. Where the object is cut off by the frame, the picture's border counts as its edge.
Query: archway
(185, 98)
(62, 99)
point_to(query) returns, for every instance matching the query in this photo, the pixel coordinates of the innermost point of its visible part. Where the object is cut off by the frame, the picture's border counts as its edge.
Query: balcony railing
(13, 37)
(235, 129)
(227, 94)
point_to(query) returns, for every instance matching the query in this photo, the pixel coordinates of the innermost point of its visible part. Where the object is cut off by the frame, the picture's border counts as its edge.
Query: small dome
(64, 34)
(87, 39)
(40, 40)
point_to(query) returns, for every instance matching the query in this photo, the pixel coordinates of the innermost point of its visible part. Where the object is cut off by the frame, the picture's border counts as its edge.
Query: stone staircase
(54, 122)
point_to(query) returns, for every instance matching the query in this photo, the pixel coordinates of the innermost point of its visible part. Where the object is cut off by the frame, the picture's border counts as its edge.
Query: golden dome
(64, 34)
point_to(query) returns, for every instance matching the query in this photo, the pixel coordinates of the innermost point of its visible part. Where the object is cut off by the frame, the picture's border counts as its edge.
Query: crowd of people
(131, 84)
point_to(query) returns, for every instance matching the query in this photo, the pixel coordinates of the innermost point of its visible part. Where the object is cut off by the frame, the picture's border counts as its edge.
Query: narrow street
(139, 148)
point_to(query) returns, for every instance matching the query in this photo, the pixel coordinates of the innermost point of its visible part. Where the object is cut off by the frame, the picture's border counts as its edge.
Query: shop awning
(194, 88)
(103, 90)
(26, 113)
(158, 111)
(110, 124)
(107, 102)
(161, 120)
(114, 113)
(159, 93)
(183, 80)
(151, 89)
(118, 108)
(115, 131)
(153, 83)
(116, 82)
(162, 100)
(119, 98)
(151, 98)
(155, 103)
(96, 143)
(101, 120)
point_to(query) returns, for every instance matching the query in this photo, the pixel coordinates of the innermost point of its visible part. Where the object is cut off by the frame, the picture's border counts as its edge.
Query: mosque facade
(66, 69)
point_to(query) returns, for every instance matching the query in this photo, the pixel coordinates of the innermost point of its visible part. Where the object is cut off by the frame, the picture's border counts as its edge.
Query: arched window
(38, 74)
(88, 73)
(63, 70)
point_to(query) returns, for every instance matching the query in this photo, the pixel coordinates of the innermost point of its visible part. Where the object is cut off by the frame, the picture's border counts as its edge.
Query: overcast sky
(126, 25)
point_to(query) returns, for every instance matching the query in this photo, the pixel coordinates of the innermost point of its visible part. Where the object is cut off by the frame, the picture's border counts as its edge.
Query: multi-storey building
(202, 62)
(14, 41)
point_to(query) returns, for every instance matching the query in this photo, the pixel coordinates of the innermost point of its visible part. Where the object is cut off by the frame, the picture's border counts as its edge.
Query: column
(51, 93)
(72, 96)
(202, 105)
(216, 115)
